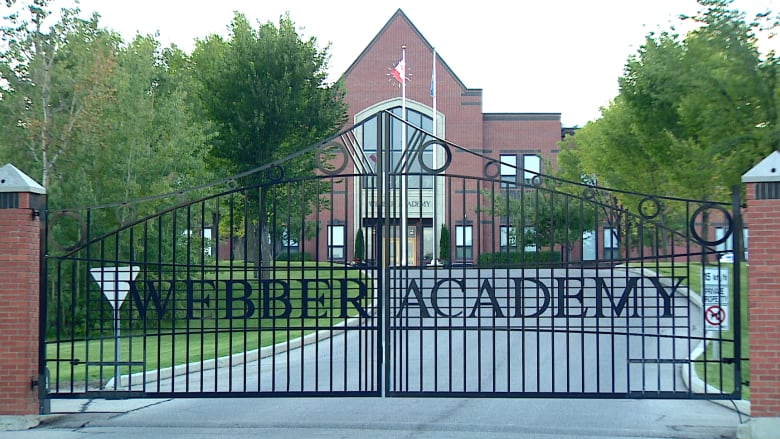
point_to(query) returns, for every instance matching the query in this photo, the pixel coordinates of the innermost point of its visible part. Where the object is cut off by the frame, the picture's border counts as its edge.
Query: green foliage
(294, 256)
(265, 90)
(360, 246)
(543, 216)
(694, 112)
(444, 244)
(519, 259)
(55, 89)
(96, 120)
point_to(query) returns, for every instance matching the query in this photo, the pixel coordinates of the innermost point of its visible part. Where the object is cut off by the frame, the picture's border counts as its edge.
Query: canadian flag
(399, 72)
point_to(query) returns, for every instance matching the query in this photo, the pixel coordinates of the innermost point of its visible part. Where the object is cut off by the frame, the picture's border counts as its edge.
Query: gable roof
(399, 15)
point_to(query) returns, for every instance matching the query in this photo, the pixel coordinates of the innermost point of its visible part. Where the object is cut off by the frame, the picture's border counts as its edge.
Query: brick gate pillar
(763, 218)
(20, 232)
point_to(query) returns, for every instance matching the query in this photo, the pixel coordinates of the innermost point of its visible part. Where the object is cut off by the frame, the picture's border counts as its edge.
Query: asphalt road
(389, 418)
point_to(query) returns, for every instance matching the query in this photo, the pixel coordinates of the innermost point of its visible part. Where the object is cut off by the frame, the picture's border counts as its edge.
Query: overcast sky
(558, 56)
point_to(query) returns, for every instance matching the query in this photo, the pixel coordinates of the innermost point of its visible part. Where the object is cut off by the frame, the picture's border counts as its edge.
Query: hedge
(294, 256)
(524, 259)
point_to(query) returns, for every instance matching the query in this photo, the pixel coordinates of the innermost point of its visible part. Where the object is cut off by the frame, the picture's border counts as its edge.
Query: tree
(266, 91)
(444, 244)
(554, 215)
(693, 113)
(55, 86)
(99, 122)
(153, 141)
(360, 246)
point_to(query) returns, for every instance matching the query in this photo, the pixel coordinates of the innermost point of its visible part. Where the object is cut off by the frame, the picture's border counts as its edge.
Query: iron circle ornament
(649, 208)
(727, 231)
(182, 198)
(494, 165)
(274, 173)
(447, 156)
(61, 217)
(536, 181)
(125, 213)
(324, 150)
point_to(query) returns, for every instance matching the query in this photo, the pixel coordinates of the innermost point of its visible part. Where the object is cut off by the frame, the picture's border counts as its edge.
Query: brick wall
(19, 309)
(764, 304)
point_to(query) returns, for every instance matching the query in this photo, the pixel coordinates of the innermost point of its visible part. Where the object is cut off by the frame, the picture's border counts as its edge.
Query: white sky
(557, 56)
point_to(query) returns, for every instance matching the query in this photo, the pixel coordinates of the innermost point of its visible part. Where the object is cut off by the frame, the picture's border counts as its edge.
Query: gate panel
(382, 263)
(238, 288)
(521, 309)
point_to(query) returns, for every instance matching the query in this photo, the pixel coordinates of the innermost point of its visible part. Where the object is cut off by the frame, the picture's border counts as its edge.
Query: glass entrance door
(411, 246)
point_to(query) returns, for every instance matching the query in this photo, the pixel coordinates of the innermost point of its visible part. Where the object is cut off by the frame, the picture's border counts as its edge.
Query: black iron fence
(381, 264)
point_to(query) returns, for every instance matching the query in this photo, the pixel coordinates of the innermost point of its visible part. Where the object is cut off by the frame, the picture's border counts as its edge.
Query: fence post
(20, 231)
(763, 216)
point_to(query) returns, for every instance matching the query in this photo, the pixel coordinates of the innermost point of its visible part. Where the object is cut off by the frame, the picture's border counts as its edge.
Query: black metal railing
(254, 285)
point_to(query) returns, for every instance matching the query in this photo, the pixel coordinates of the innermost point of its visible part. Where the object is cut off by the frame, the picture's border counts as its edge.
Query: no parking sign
(715, 282)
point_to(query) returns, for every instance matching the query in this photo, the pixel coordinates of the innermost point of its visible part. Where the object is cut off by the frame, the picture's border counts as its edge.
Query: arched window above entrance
(416, 177)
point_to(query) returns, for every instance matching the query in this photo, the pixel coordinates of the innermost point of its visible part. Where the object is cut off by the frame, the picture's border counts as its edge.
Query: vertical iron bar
(382, 141)
(44, 403)
(739, 252)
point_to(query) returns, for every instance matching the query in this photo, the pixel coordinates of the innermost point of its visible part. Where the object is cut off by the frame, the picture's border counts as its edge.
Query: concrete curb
(25, 422)
(127, 381)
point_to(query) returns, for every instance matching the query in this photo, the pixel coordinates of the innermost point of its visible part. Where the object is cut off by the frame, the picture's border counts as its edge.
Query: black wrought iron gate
(385, 261)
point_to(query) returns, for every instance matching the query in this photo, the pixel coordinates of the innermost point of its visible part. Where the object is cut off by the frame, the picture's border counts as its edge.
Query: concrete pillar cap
(768, 170)
(14, 180)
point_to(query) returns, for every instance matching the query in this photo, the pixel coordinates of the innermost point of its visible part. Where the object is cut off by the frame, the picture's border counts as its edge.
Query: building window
(417, 178)
(508, 170)
(532, 166)
(728, 245)
(289, 244)
(464, 250)
(529, 239)
(611, 243)
(589, 245)
(428, 244)
(336, 240)
(508, 238)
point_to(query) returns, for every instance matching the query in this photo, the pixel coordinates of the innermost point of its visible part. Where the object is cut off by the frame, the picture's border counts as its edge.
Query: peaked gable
(400, 19)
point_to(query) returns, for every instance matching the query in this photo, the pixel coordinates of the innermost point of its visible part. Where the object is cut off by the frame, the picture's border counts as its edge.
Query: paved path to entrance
(388, 418)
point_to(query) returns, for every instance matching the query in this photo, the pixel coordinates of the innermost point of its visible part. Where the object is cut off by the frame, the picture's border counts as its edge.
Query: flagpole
(435, 255)
(433, 95)
(404, 233)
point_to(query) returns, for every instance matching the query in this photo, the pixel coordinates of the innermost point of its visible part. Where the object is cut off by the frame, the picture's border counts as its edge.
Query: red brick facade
(764, 286)
(371, 88)
(19, 309)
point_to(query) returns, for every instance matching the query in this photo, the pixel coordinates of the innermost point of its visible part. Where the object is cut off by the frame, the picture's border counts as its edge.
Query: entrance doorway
(419, 242)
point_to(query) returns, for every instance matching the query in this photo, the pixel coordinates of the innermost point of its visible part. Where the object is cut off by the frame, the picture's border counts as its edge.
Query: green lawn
(708, 367)
(179, 340)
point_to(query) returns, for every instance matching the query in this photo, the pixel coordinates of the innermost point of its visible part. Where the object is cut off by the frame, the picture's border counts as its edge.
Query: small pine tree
(360, 246)
(444, 244)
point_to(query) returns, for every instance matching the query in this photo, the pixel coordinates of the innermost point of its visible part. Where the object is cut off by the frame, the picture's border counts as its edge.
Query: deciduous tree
(693, 113)
(266, 90)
